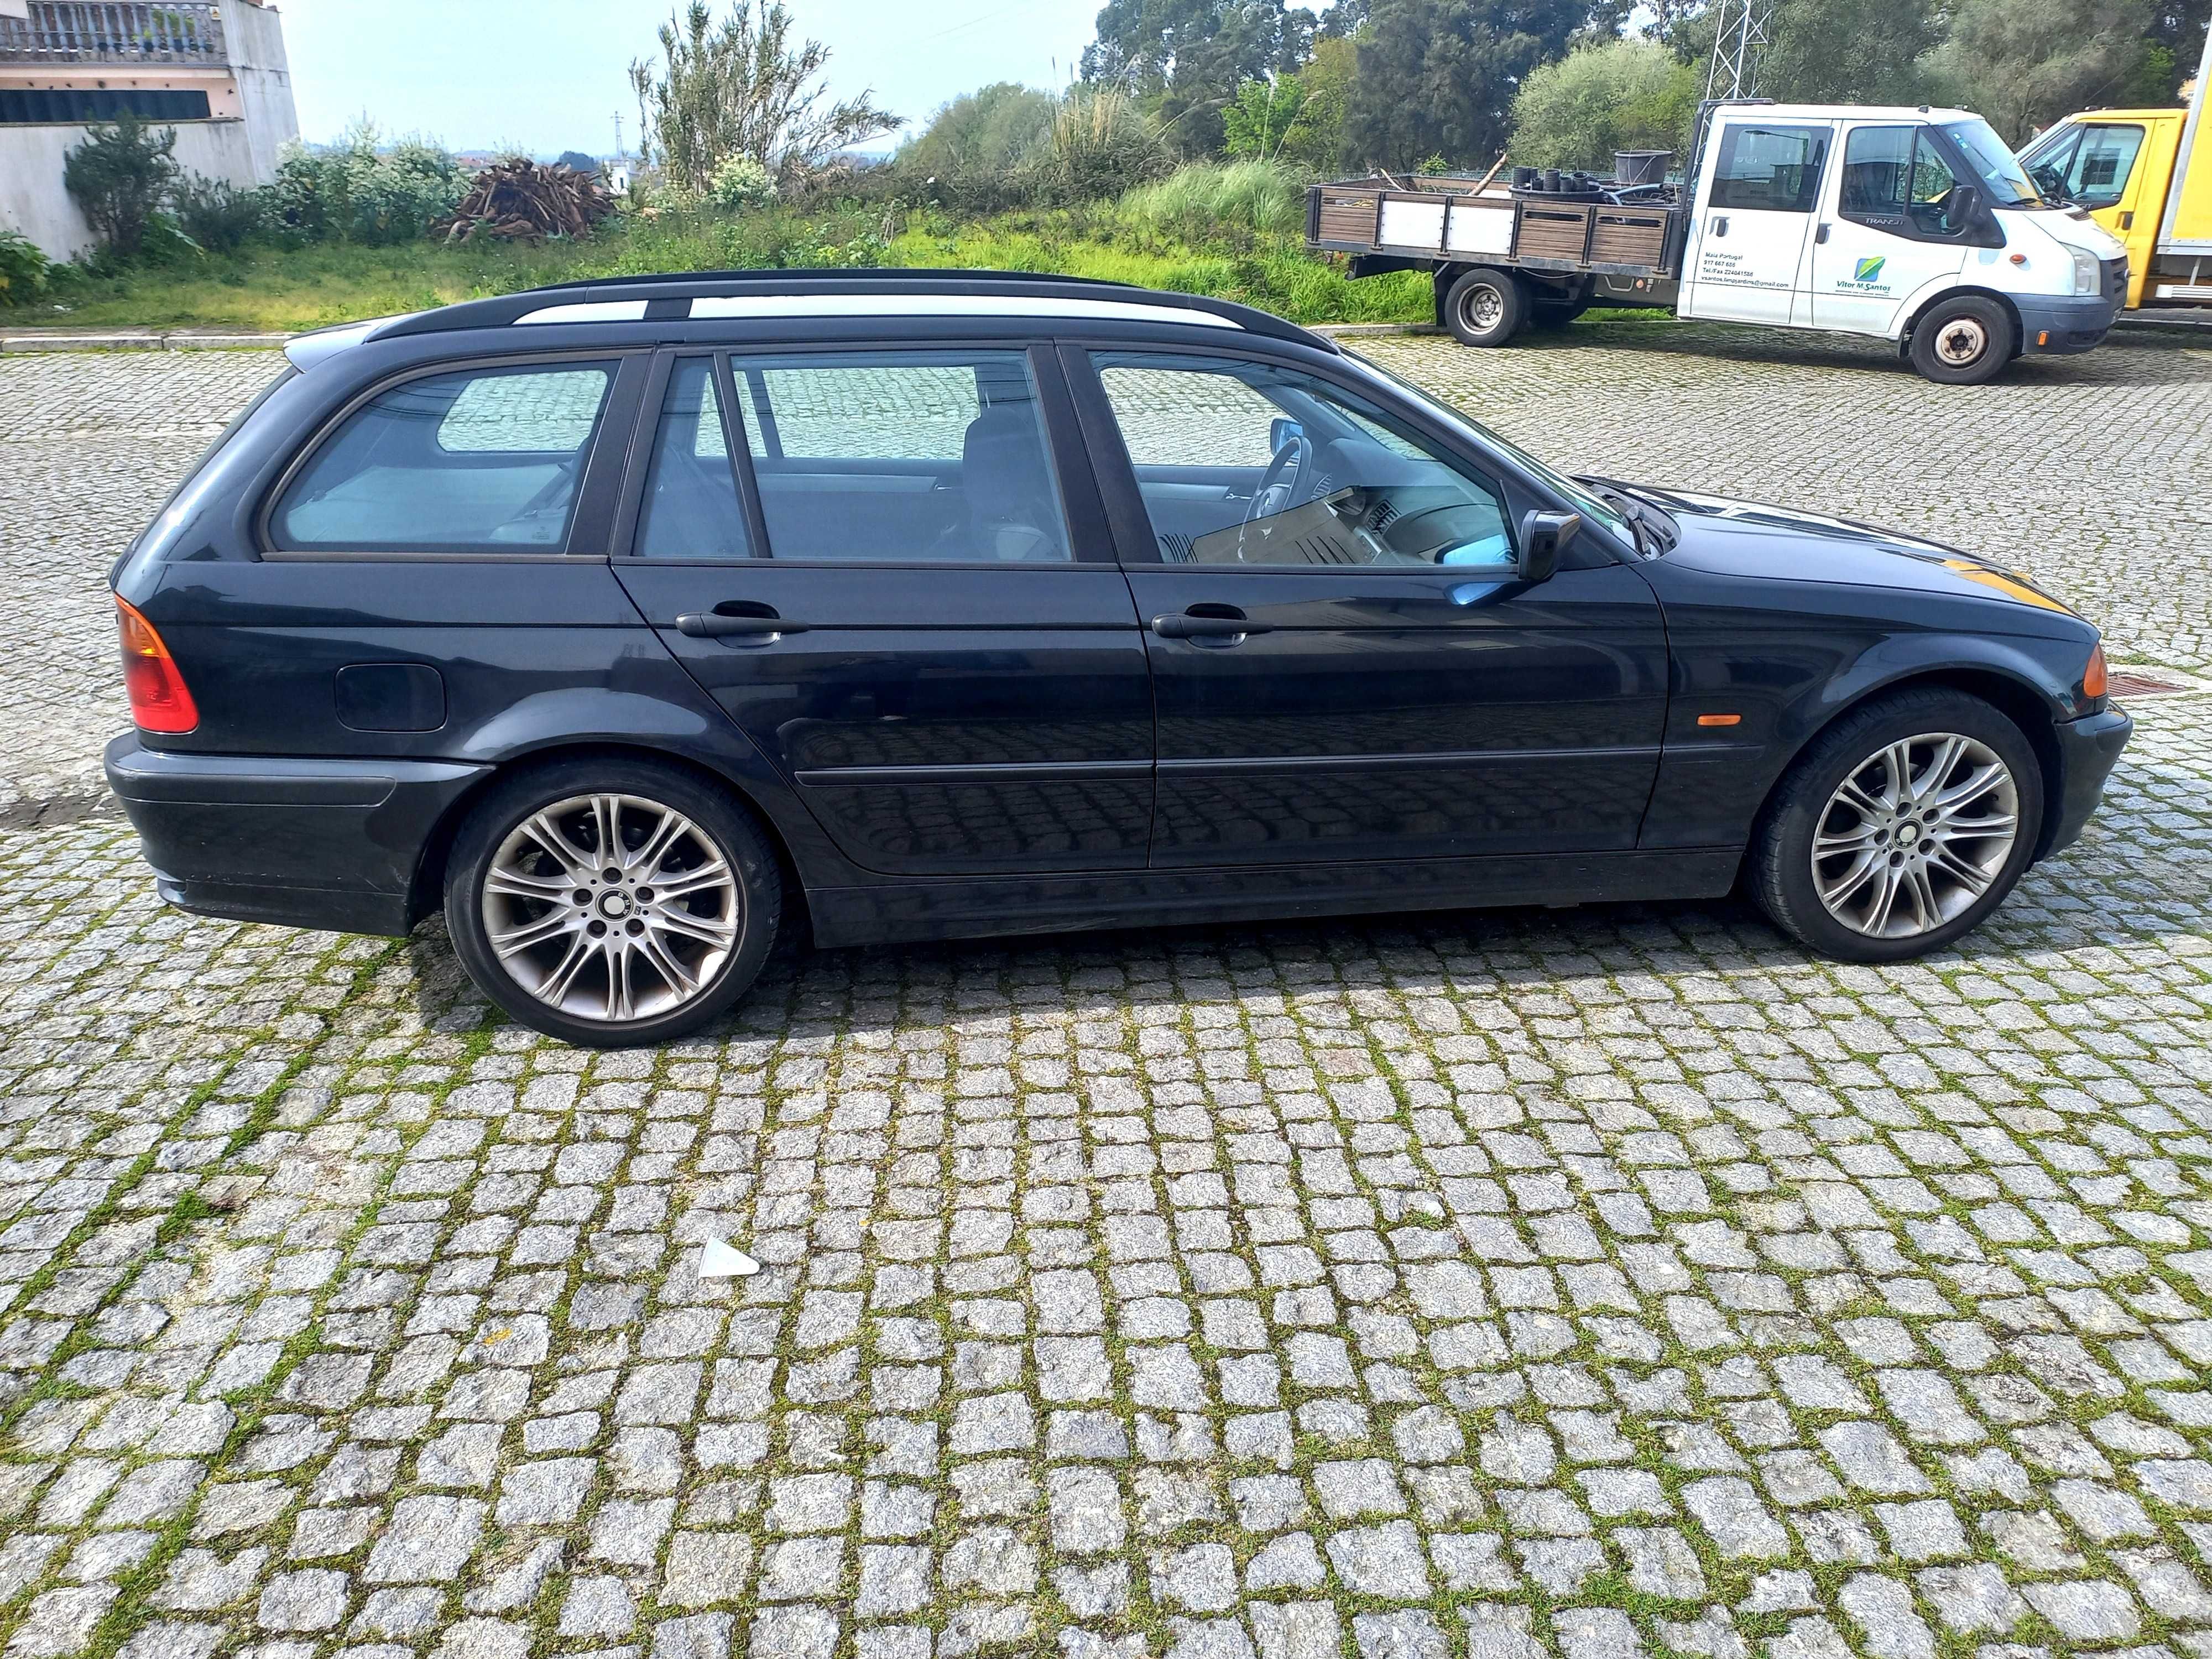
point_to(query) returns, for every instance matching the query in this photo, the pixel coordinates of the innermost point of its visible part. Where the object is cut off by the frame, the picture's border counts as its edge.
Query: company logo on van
(1868, 270)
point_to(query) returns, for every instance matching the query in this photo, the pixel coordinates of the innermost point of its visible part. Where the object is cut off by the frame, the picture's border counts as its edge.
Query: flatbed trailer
(1914, 225)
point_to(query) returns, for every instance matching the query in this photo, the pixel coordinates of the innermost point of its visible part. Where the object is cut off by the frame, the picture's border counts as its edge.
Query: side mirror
(1543, 537)
(1965, 208)
(1282, 430)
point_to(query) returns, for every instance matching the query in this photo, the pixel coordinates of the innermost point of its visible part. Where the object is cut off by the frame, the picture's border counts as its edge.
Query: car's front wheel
(612, 903)
(1900, 828)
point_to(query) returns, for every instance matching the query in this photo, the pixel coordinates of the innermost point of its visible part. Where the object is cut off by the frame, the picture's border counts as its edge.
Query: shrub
(981, 152)
(353, 193)
(119, 176)
(742, 182)
(23, 268)
(216, 214)
(1624, 94)
(1101, 144)
(1204, 201)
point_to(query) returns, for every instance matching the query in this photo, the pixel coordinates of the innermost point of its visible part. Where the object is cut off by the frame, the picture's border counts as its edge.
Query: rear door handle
(1821, 234)
(1720, 224)
(1215, 622)
(715, 625)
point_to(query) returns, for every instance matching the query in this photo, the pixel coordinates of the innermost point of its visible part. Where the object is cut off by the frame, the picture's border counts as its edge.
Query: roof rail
(670, 296)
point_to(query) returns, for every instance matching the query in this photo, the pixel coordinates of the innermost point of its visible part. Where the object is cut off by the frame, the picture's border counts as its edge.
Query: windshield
(1995, 167)
(1576, 496)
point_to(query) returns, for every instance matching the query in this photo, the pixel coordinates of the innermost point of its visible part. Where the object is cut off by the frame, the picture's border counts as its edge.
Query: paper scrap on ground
(721, 1261)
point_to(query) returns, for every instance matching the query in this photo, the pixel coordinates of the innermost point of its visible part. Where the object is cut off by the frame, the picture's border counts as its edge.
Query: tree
(1625, 94)
(119, 178)
(1186, 57)
(976, 151)
(1316, 139)
(579, 160)
(1258, 120)
(1851, 52)
(1437, 77)
(2023, 64)
(743, 86)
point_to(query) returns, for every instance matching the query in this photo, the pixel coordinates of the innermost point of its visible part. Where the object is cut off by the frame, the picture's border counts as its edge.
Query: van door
(1747, 259)
(1889, 228)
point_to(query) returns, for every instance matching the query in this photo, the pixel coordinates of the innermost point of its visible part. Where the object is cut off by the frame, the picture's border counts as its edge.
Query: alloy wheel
(1917, 833)
(611, 907)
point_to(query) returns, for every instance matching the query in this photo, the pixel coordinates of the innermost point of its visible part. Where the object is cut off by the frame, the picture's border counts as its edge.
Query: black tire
(1486, 307)
(1964, 341)
(748, 906)
(1779, 865)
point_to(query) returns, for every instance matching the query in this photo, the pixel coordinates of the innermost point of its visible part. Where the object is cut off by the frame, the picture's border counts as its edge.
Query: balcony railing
(113, 31)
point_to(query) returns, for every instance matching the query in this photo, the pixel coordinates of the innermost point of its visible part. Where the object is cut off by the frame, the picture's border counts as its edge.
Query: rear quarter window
(478, 460)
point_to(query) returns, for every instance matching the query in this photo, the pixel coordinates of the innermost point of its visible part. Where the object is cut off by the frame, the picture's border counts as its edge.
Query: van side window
(481, 460)
(1894, 179)
(1772, 169)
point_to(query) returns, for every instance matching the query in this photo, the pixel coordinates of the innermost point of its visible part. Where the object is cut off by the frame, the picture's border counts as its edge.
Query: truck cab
(2118, 166)
(1884, 222)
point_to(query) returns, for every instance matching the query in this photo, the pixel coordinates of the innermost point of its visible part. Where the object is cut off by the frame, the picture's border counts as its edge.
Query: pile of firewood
(523, 201)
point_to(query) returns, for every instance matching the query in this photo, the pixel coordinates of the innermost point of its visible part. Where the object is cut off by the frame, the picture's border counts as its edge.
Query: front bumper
(2087, 748)
(332, 844)
(2050, 325)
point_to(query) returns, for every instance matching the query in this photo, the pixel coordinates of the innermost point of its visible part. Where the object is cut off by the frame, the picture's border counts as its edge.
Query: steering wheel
(1278, 485)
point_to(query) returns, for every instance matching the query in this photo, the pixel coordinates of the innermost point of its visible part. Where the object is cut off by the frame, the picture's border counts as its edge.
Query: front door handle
(717, 624)
(1821, 234)
(1213, 621)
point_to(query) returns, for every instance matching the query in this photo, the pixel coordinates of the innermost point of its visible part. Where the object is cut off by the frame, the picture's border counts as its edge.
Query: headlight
(2085, 270)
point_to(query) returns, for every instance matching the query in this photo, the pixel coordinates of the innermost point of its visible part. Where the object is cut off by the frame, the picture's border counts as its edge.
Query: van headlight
(2085, 270)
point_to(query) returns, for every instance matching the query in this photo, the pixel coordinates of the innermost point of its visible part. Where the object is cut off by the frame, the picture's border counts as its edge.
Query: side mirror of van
(1966, 215)
(1543, 537)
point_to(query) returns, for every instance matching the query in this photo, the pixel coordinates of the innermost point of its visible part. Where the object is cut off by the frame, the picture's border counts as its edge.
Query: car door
(1344, 665)
(1746, 260)
(883, 567)
(1889, 229)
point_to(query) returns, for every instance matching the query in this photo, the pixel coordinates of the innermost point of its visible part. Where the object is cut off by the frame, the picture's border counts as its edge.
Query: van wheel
(612, 903)
(1899, 829)
(1486, 307)
(1964, 341)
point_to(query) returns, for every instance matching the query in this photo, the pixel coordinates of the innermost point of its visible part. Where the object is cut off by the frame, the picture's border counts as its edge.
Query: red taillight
(159, 699)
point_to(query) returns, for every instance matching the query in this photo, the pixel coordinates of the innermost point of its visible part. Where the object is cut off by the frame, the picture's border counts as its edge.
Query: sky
(550, 74)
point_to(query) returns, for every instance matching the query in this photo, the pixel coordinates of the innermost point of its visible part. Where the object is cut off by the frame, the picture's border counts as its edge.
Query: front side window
(2004, 182)
(2092, 168)
(485, 460)
(1895, 179)
(1256, 464)
(894, 457)
(1772, 169)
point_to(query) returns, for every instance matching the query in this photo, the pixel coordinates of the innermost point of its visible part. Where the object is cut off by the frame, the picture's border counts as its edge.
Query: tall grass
(1202, 201)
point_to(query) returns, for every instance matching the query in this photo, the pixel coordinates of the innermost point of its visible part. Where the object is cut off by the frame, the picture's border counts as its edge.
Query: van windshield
(1996, 169)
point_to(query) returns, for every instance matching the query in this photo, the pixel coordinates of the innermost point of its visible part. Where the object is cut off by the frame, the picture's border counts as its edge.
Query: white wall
(33, 201)
(255, 37)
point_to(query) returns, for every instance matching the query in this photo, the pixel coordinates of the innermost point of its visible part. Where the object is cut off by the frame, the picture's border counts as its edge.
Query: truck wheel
(1486, 307)
(1963, 342)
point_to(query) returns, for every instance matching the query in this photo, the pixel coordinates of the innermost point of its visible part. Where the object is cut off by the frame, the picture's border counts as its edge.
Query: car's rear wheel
(612, 903)
(1964, 341)
(1900, 828)
(1486, 307)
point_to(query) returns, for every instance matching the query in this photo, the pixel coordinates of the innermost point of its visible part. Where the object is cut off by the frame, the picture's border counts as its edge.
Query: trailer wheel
(1963, 342)
(1486, 307)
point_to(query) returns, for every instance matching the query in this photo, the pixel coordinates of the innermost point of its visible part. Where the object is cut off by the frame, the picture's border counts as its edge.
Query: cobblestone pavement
(1609, 1283)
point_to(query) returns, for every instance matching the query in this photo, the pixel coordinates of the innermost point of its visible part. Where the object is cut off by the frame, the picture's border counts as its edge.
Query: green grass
(1144, 239)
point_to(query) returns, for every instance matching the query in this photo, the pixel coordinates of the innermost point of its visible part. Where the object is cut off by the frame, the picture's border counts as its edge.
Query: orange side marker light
(1720, 720)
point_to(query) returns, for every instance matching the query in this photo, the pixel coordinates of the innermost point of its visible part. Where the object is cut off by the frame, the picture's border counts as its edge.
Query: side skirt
(982, 908)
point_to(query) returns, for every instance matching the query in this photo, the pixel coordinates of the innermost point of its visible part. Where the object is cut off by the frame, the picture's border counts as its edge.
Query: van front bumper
(2050, 325)
(331, 844)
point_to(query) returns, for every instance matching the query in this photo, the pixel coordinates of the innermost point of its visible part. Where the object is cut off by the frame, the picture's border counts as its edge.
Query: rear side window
(691, 509)
(1772, 169)
(484, 460)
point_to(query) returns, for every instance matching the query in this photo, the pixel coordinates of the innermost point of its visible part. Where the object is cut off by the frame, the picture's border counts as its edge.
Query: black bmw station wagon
(631, 622)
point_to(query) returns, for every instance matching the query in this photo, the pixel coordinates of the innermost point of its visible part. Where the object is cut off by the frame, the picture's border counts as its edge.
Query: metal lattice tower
(1736, 47)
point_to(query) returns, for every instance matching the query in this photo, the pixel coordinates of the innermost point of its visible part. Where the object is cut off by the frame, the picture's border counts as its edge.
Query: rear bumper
(306, 844)
(2087, 749)
(2049, 326)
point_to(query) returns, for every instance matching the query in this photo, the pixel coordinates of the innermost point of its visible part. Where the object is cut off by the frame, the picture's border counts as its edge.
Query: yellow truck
(2146, 176)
